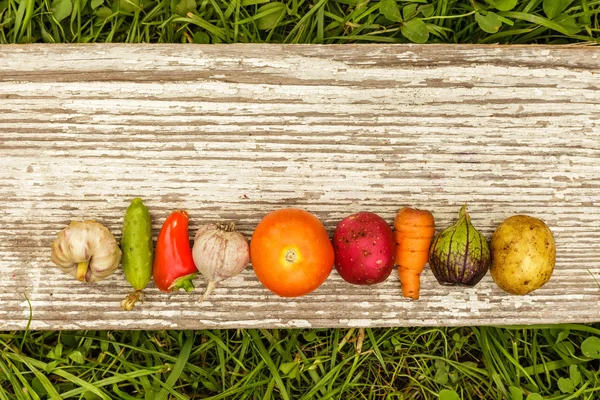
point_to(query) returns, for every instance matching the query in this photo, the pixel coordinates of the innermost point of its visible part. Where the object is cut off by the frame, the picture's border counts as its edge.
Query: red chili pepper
(174, 266)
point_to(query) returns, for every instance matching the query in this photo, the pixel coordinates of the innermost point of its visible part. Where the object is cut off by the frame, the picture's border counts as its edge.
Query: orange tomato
(291, 252)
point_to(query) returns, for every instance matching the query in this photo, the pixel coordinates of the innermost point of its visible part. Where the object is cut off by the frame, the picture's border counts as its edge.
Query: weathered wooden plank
(233, 132)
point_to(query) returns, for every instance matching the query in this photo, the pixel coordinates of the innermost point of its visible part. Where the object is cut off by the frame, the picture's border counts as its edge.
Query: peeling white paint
(332, 130)
(299, 323)
(357, 322)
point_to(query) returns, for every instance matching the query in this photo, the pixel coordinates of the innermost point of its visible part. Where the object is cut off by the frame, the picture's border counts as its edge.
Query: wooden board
(233, 132)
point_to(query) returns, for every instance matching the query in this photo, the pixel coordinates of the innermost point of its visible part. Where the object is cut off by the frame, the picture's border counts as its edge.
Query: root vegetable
(364, 249)
(523, 254)
(414, 231)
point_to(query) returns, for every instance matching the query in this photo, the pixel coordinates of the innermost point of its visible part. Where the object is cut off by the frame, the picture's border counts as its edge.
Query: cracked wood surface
(233, 132)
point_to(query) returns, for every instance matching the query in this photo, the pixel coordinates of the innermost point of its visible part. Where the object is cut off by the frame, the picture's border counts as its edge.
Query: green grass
(300, 21)
(558, 362)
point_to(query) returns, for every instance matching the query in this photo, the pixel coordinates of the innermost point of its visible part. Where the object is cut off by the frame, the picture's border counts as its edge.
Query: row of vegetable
(292, 254)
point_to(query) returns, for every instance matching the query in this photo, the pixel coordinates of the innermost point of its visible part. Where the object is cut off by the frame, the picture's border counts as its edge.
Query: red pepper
(174, 266)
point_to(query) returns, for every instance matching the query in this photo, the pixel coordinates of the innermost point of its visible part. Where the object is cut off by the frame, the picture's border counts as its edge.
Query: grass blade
(375, 348)
(184, 355)
(303, 20)
(267, 359)
(63, 374)
(536, 20)
(18, 29)
(115, 379)
(13, 380)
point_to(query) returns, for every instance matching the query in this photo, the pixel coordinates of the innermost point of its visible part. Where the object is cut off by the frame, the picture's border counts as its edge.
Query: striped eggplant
(460, 255)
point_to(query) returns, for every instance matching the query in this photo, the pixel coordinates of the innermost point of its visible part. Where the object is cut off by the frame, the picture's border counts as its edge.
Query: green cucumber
(138, 250)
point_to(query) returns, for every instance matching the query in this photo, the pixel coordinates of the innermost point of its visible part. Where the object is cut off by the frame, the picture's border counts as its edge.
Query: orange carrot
(414, 231)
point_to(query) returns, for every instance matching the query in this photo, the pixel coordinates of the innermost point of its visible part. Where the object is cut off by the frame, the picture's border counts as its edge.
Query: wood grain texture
(233, 132)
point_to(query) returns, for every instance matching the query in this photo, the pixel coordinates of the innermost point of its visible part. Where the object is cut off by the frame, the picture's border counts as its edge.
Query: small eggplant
(460, 255)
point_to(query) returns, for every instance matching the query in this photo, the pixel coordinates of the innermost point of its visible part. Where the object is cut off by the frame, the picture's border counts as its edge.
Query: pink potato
(364, 249)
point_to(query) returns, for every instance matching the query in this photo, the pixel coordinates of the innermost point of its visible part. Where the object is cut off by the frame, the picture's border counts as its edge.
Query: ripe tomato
(291, 252)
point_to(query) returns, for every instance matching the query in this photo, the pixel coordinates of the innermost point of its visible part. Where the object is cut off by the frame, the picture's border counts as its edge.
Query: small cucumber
(138, 250)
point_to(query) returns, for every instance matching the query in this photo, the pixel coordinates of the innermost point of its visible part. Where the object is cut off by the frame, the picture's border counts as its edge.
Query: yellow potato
(523, 254)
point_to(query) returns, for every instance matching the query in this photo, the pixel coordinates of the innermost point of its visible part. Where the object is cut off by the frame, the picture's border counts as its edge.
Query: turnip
(364, 249)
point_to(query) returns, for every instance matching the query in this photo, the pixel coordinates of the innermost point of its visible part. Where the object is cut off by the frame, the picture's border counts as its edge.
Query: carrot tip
(410, 294)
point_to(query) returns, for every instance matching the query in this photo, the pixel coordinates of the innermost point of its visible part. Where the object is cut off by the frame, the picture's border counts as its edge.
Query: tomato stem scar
(291, 256)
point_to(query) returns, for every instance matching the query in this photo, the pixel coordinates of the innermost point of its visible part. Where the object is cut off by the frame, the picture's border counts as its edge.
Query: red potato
(364, 248)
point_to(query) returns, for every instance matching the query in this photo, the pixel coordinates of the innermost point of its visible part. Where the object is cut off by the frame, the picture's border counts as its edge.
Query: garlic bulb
(87, 250)
(220, 252)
